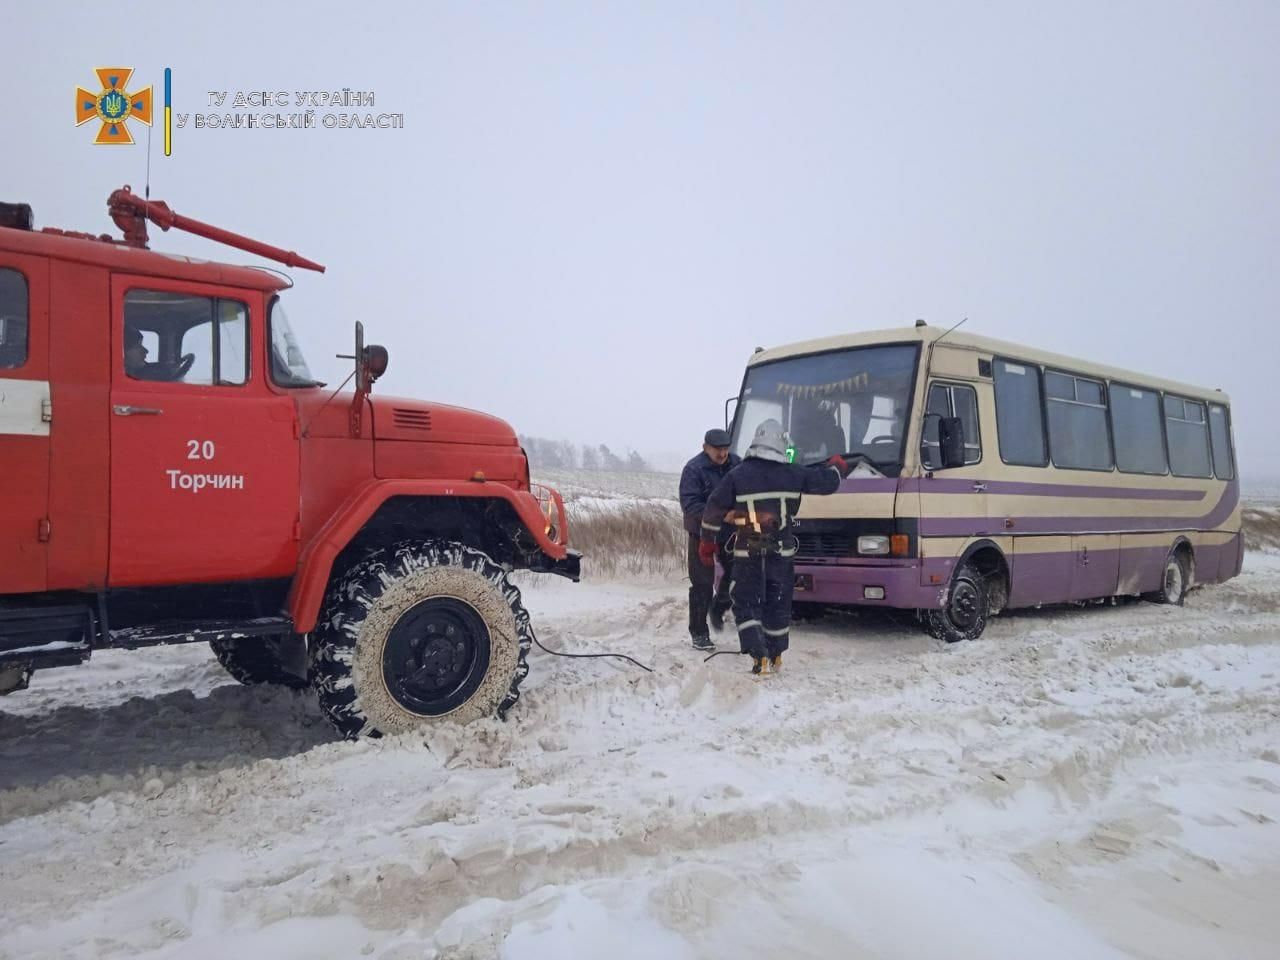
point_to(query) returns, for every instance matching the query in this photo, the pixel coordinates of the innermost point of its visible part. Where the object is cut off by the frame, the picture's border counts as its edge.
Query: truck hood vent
(407, 418)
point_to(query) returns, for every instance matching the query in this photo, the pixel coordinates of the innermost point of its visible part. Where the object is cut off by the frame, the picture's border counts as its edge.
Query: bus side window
(1188, 433)
(13, 319)
(1019, 423)
(951, 400)
(1135, 428)
(1077, 415)
(1220, 437)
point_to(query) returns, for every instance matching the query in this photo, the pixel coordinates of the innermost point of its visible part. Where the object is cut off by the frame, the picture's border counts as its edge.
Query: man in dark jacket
(699, 477)
(761, 497)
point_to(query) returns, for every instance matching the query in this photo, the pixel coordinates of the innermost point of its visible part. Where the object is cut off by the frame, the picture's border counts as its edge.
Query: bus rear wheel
(1174, 581)
(963, 614)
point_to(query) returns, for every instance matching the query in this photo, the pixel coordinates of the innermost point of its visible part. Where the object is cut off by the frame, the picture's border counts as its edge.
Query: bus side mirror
(729, 414)
(951, 441)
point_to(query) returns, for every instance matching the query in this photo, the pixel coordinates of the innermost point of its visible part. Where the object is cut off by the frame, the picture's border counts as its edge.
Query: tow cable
(589, 656)
(721, 653)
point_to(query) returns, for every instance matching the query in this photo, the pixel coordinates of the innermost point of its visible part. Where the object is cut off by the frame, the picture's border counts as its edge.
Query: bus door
(958, 492)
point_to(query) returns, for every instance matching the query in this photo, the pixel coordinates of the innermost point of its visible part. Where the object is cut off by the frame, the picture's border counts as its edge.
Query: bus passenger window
(1077, 414)
(1184, 424)
(1135, 425)
(1019, 426)
(1220, 436)
(13, 319)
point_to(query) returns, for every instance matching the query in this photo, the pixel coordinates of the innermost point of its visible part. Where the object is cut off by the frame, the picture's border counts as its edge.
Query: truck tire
(963, 615)
(264, 659)
(419, 633)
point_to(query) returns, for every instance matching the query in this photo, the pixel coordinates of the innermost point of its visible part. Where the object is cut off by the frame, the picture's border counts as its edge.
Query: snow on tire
(419, 633)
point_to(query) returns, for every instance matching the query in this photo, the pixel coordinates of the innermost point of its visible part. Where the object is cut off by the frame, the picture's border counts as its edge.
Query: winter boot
(759, 666)
(704, 644)
(775, 664)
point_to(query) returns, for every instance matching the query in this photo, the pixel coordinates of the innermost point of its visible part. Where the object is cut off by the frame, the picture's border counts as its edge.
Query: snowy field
(1079, 783)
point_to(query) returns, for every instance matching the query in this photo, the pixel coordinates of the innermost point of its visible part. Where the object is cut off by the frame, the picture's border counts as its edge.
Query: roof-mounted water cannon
(131, 213)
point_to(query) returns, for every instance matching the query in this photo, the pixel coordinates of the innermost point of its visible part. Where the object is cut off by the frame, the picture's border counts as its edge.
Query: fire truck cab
(172, 472)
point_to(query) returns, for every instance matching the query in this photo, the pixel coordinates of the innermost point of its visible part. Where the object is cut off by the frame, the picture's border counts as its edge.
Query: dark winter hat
(716, 438)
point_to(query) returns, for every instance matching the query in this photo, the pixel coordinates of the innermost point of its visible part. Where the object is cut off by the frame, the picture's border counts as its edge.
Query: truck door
(25, 421)
(204, 457)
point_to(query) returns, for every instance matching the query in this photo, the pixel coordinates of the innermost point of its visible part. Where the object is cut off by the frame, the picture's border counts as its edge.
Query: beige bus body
(1018, 534)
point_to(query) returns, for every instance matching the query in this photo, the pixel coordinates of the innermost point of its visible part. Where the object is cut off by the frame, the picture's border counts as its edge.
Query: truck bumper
(570, 567)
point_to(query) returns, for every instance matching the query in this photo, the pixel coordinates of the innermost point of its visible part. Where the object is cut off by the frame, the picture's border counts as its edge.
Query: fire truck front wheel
(416, 634)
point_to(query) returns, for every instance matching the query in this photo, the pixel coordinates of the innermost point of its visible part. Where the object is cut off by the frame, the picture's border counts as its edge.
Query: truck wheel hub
(436, 656)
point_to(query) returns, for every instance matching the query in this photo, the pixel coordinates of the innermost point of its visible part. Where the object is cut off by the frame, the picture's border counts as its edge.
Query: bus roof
(987, 345)
(126, 259)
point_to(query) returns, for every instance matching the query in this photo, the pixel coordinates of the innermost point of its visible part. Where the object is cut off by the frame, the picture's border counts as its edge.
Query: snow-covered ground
(1098, 782)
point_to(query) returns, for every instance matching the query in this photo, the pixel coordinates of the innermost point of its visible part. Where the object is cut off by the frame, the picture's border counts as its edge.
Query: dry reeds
(640, 539)
(1261, 528)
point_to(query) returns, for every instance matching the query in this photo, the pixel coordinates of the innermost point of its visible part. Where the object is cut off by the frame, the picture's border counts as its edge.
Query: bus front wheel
(964, 611)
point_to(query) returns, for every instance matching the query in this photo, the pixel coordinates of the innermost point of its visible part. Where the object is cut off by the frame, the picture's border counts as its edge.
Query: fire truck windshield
(288, 365)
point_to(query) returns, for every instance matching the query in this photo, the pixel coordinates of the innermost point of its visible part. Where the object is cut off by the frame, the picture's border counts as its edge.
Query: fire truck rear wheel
(416, 634)
(280, 660)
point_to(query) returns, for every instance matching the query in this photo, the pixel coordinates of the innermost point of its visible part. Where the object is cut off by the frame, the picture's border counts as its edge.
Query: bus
(991, 476)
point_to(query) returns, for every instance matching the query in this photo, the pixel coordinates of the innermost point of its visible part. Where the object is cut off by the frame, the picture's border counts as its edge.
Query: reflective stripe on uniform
(777, 633)
(780, 495)
(748, 624)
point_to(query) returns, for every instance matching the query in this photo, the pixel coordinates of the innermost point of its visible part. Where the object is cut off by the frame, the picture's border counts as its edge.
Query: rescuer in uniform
(761, 497)
(699, 477)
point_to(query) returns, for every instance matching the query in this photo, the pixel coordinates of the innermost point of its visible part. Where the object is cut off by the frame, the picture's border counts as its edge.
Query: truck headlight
(876, 546)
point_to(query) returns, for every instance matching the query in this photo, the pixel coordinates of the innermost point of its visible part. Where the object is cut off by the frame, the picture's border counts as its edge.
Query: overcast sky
(594, 212)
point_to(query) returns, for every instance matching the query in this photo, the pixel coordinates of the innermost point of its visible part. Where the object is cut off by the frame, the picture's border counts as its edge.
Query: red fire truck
(173, 473)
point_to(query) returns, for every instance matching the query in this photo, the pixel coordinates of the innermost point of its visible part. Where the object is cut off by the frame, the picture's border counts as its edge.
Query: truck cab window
(184, 338)
(13, 319)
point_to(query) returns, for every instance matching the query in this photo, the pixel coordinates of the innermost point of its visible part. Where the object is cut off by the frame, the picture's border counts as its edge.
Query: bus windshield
(842, 402)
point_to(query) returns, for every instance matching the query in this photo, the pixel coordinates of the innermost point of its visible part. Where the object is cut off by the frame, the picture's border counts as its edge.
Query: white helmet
(769, 443)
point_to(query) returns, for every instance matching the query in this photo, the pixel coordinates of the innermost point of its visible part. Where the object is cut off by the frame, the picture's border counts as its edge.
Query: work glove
(840, 464)
(707, 553)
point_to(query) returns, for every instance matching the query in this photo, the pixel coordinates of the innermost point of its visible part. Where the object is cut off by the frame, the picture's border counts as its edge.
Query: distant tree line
(561, 454)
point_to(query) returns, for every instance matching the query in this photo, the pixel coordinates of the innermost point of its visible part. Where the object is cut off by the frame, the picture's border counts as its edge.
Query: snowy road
(1079, 783)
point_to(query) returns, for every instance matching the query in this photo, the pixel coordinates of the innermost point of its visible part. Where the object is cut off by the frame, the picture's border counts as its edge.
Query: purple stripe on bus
(996, 526)
(1020, 489)
(1037, 578)
(1012, 488)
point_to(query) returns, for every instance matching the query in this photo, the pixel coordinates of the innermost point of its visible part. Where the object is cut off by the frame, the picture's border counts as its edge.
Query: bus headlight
(875, 546)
